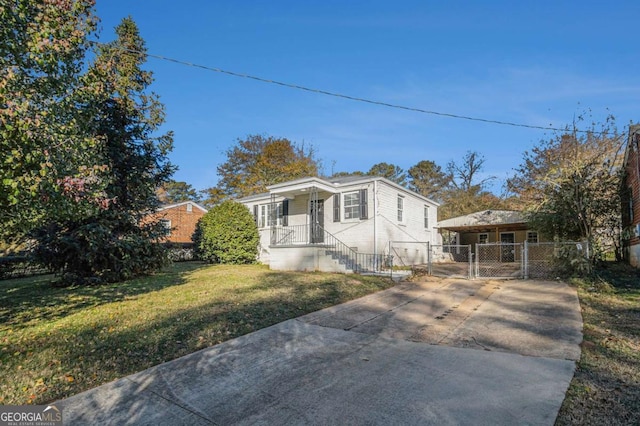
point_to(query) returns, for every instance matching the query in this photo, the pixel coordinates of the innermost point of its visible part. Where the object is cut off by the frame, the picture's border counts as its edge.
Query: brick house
(180, 220)
(631, 198)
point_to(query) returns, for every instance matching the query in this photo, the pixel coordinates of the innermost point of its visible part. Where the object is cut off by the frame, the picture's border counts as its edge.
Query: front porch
(312, 248)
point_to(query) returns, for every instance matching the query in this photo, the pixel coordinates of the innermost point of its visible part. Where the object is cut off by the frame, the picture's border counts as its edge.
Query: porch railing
(338, 250)
(288, 235)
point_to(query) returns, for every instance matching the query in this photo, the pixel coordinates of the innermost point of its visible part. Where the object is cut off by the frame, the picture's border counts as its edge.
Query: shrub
(227, 234)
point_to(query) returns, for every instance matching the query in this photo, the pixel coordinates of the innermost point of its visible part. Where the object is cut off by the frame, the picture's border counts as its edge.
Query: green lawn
(606, 386)
(56, 342)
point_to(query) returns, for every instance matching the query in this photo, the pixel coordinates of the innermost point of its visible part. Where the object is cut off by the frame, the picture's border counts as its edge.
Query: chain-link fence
(549, 260)
(450, 261)
(499, 260)
(492, 260)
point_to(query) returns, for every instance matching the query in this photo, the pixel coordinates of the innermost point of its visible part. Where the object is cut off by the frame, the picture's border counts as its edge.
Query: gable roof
(483, 220)
(330, 185)
(171, 206)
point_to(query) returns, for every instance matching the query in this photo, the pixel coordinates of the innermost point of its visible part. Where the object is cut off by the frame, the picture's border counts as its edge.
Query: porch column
(271, 211)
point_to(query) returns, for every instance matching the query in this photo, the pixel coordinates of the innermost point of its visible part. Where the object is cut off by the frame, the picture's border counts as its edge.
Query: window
(400, 208)
(483, 238)
(166, 223)
(426, 217)
(532, 237)
(271, 215)
(189, 207)
(352, 205)
(355, 205)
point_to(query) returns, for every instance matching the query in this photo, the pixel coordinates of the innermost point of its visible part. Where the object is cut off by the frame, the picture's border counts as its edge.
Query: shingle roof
(483, 218)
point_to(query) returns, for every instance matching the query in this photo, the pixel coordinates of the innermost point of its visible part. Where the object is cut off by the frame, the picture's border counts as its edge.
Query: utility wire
(342, 96)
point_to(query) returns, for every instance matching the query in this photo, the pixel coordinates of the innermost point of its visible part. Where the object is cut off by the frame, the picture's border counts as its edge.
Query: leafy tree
(42, 140)
(427, 179)
(227, 234)
(113, 242)
(464, 175)
(259, 161)
(570, 184)
(466, 194)
(390, 171)
(212, 196)
(176, 192)
(347, 174)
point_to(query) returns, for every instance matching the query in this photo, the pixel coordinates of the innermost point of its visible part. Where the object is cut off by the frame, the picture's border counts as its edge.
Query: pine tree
(115, 242)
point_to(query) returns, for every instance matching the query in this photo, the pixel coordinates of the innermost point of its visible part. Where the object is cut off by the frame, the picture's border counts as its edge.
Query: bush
(227, 234)
(571, 262)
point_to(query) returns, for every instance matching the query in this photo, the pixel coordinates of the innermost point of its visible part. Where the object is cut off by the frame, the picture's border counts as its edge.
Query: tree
(570, 184)
(176, 192)
(42, 140)
(227, 234)
(427, 179)
(464, 175)
(348, 174)
(259, 161)
(390, 171)
(114, 242)
(466, 194)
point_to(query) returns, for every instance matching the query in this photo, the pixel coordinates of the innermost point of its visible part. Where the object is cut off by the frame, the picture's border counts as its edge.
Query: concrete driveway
(433, 352)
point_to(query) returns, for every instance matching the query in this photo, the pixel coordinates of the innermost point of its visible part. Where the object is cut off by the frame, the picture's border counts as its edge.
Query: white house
(341, 224)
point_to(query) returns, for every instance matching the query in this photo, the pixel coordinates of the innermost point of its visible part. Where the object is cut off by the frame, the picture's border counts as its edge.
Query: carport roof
(484, 221)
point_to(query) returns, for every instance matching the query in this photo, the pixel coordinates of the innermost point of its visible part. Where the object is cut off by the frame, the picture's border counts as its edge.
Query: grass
(56, 342)
(606, 386)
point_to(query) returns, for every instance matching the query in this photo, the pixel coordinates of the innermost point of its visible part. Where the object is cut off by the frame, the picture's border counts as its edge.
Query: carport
(494, 240)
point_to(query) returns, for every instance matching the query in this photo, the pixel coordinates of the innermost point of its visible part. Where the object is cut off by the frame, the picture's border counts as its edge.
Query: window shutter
(255, 215)
(285, 213)
(336, 208)
(364, 206)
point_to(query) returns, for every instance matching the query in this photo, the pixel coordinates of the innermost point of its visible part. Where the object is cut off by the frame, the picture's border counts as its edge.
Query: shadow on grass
(35, 298)
(94, 354)
(107, 348)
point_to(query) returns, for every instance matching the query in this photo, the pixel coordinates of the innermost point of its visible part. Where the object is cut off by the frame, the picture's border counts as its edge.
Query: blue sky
(538, 63)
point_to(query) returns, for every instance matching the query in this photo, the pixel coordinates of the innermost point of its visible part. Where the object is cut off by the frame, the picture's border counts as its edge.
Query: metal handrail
(301, 234)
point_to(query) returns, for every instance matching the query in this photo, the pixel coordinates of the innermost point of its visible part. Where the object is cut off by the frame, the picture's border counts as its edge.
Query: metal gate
(451, 261)
(499, 260)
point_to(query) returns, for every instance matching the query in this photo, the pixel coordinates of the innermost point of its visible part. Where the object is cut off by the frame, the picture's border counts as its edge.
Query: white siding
(411, 229)
(355, 233)
(381, 222)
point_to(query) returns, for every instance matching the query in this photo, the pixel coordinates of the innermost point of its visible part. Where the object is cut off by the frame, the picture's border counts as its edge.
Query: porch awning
(302, 187)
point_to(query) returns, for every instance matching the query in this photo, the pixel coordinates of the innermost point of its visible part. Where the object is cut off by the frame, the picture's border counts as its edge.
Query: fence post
(477, 257)
(525, 258)
(470, 260)
(429, 260)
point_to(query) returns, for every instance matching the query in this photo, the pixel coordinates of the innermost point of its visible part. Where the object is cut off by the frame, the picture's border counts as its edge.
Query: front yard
(606, 386)
(56, 342)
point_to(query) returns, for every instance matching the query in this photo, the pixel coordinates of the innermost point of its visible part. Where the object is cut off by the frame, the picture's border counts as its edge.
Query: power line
(343, 96)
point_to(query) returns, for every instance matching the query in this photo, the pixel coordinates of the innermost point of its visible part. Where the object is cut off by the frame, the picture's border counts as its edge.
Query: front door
(508, 240)
(316, 219)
